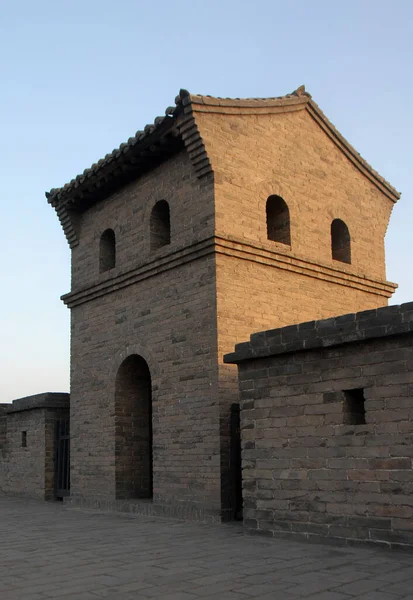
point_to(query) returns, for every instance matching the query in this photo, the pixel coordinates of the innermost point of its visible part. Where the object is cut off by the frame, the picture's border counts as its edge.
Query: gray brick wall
(27, 460)
(3, 430)
(307, 470)
(166, 315)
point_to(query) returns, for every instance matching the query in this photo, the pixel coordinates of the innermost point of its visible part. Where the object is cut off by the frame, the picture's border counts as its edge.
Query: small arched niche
(107, 251)
(160, 225)
(278, 220)
(340, 241)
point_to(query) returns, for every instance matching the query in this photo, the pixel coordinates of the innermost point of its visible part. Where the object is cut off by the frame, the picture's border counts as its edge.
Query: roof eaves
(188, 103)
(56, 194)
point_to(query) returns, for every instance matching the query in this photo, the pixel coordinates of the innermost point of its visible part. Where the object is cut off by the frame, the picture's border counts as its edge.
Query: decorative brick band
(354, 327)
(289, 262)
(233, 248)
(154, 267)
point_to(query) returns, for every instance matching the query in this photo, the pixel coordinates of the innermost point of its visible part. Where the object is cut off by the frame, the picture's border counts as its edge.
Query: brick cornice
(45, 400)
(233, 248)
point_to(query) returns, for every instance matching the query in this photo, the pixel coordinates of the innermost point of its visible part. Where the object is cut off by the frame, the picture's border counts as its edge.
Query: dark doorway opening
(236, 465)
(62, 459)
(133, 430)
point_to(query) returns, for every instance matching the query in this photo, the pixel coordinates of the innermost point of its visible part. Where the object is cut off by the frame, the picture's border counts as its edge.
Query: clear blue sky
(79, 77)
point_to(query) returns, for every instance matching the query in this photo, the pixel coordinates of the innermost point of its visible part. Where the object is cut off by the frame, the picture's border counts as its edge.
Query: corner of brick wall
(307, 471)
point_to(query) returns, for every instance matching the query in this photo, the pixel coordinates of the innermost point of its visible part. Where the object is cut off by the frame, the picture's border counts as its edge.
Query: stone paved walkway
(49, 551)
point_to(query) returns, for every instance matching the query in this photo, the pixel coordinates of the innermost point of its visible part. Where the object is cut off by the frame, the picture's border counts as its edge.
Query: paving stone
(83, 555)
(396, 576)
(217, 589)
(377, 595)
(360, 586)
(402, 587)
(329, 596)
(279, 595)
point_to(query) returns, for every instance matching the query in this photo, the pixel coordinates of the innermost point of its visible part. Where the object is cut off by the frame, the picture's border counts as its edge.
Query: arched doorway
(133, 429)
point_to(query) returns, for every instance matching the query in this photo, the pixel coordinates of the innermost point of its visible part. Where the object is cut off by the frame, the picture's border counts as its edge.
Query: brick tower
(224, 217)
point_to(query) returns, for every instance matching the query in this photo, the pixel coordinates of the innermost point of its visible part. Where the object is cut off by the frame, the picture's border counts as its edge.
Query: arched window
(107, 253)
(340, 241)
(160, 225)
(278, 220)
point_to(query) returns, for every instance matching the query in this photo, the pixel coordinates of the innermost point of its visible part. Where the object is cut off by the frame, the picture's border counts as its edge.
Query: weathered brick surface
(168, 318)
(306, 471)
(184, 305)
(263, 284)
(288, 154)
(30, 469)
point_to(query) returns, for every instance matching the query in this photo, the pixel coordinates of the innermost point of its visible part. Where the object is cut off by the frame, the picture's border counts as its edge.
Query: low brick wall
(327, 428)
(27, 456)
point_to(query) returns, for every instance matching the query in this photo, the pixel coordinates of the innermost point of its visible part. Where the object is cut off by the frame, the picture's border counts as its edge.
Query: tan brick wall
(252, 297)
(289, 155)
(127, 213)
(263, 284)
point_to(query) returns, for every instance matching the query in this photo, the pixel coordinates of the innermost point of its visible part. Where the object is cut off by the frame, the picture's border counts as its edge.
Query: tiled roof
(183, 99)
(126, 147)
(185, 103)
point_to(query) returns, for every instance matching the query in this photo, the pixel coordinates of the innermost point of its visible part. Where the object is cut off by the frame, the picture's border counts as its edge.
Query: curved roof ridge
(299, 94)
